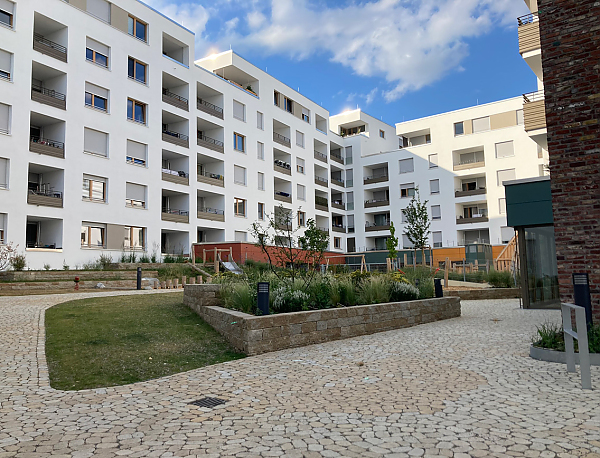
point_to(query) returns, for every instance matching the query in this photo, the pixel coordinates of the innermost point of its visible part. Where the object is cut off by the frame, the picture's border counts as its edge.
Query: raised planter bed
(254, 335)
(30, 286)
(555, 356)
(69, 275)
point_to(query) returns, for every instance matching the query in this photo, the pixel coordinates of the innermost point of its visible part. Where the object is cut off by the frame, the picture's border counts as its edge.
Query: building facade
(113, 140)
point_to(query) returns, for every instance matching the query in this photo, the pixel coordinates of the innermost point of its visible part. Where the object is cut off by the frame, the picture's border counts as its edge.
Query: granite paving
(464, 387)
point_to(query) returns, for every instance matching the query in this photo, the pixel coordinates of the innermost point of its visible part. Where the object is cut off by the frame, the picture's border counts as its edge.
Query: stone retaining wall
(66, 285)
(254, 335)
(486, 293)
(69, 275)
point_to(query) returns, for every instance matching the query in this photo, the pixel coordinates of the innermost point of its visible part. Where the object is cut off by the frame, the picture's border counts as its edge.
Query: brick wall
(570, 38)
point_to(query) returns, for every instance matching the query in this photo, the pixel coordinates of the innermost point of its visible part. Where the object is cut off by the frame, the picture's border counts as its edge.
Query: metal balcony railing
(282, 164)
(379, 224)
(179, 173)
(214, 176)
(47, 142)
(321, 156)
(209, 105)
(206, 139)
(280, 138)
(176, 135)
(321, 179)
(40, 39)
(174, 96)
(47, 193)
(174, 211)
(214, 211)
(336, 156)
(48, 92)
(528, 19)
(321, 201)
(533, 96)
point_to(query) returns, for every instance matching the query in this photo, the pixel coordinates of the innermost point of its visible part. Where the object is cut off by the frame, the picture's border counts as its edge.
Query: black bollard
(439, 292)
(262, 297)
(139, 278)
(581, 295)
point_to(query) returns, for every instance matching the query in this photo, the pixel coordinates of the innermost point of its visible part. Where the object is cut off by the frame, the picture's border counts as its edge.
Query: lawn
(109, 341)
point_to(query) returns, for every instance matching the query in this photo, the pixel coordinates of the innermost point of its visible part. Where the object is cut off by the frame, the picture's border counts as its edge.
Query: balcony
(466, 164)
(211, 143)
(337, 182)
(382, 226)
(178, 177)
(211, 178)
(341, 229)
(529, 33)
(321, 181)
(175, 100)
(211, 214)
(49, 48)
(321, 203)
(278, 138)
(175, 216)
(46, 146)
(320, 157)
(282, 167)
(283, 196)
(176, 138)
(45, 198)
(375, 179)
(471, 192)
(324, 230)
(477, 218)
(336, 157)
(48, 97)
(338, 204)
(534, 111)
(376, 203)
(209, 108)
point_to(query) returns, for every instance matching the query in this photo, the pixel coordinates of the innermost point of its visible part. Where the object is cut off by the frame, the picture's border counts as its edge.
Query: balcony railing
(376, 203)
(321, 181)
(48, 47)
(175, 215)
(380, 226)
(336, 157)
(339, 228)
(282, 140)
(337, 181)
(44, 197)
(212, 214)
(211, 178)
(529, 33)
(528, 19)
(376, 179)
(211, 143)
(174, 176)
(469, 163)
(283, 196)
(176, 138)
(338, 204)
(321, 203)
(174, 99)
(320, 156)
(534, 111)
(480, 217)
(533, 96)
(282, 167)
(469, 192)
(46, 146)
(48, 96)
(209, 108)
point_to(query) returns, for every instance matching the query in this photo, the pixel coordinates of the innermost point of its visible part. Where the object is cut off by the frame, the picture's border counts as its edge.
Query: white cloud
(408, 43)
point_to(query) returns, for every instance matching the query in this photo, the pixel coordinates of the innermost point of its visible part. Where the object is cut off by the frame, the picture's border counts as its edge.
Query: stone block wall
(69, 275)
(570, 39)
(254, 335)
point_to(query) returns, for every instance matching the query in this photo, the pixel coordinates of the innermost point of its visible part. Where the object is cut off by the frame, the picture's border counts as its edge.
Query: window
(99, 9)
(260, 151)
(137, 28)
(94, 189)
(434, 186)
(6, 13)
(403, 220)
(96, 97)
(134, 238)
(288, 105)
(506, 234)
(136, 70)
(540, 152)
(337, 242)
(135, 195)
(300, 164)
(405, 242)
(502, 205)
(436, 212)
(276, 98)
(305, 115)
(299, 139)
(239, 207)
(406, 165)
(136, 111)
(301, 191)
(239, 175)
(520, 118)
(481, 124)
(93, 235)
(238, 142)
(301, 219)
(433, 161)
(96, 52)
(260, 121)
(261, 181)
(136, 153)
(261, 211)
(437, 239)
(240, 236)
(505, 149)
(4, 168)
(4, 119)
(381, 134)
(2, 228)
(5, 65)
(95, 142)
(407, 190)
(239, 110)
(459, 128)
(505, 175)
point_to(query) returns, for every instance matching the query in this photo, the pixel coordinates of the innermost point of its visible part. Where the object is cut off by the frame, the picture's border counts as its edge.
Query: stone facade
(254, 335)
(570, 40)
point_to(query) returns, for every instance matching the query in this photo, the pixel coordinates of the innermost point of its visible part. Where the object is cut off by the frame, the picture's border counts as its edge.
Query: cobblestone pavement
(462, 387)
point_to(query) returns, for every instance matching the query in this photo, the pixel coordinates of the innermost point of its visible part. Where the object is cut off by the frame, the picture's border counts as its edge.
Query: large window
(407, 190)
(4, 169)
(481, 124)
(6, 13)
(96, 52)
(93, 235)
(299, 138)
(407, 165)
(136, 153)
(95, 142)
(137, 28)
(437, 239)
(301, 219)
(136, 111)
(288, 104)
(136, 70)
(505, 149)
(505, 175)
(96, 97)
(239, 207)
(301, 191)
(239, 142)
(135, 195)
(300, 165)
(4, 118)
(94, 189)
(134, 238)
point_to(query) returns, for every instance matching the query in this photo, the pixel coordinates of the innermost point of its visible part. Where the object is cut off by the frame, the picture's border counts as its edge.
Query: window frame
(90, 198)
(381, 134)
(137, 21)
(438, 186)
(134, 103)
(406, 160)
(261, 211)
(408, 194)
(302, 219)
(243, 140)
(462, 124)
(436, 218)
(261, 116)
(89, 228)
(237, 202)
(93, 98)
(259, 174)
(131, 232)
(288, 104)
(137, 62)
(93, 60)
(11, 22)
(260, 157)
(433, 165)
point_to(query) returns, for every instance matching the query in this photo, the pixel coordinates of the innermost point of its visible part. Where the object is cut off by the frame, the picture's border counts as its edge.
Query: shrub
(92, 265)
(18, 262)
(144, 259)
(374, 290)
(594, 338)
(357, 277)
(343, 292)
(401, 291)
(46, 266)
(425, 277)
(153, 258)
(65, 265)
(240, 296)
(168, 259)
(500, 279)
(549, 335)
(320, 294)
(105, 261)
(285, 299)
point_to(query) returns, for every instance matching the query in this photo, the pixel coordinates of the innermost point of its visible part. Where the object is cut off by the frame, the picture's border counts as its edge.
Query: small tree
(7, 255)
(392, 245)
(417, 223)
(280, 241)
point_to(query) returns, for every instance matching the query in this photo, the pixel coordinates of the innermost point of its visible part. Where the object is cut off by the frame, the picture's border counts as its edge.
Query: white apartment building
(113, 140)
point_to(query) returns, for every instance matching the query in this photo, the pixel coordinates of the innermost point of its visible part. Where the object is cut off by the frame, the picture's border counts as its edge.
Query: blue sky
(395, 59)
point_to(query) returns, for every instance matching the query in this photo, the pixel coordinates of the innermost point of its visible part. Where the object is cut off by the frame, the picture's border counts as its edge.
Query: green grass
(109, 341)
